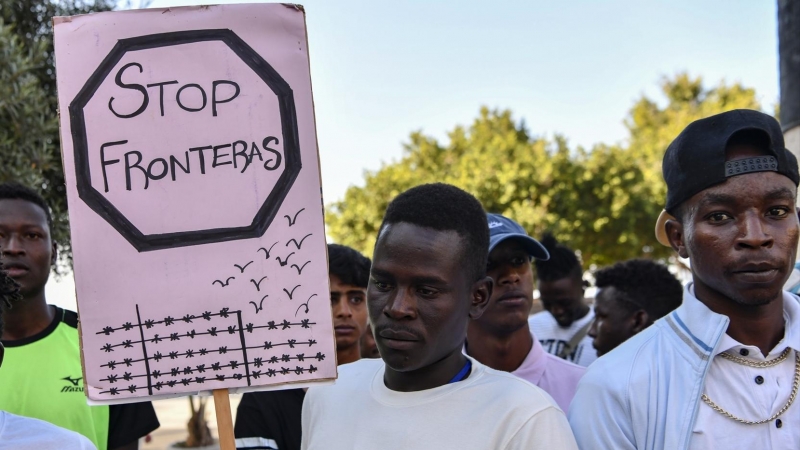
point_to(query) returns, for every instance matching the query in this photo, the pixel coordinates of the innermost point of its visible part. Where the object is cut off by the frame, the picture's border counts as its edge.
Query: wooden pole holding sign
(222, 406)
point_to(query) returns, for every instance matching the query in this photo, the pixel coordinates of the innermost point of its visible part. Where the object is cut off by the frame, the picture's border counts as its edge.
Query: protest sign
(195, 206)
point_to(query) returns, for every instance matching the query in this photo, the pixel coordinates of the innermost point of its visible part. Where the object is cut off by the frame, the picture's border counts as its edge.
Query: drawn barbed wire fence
(169, 354)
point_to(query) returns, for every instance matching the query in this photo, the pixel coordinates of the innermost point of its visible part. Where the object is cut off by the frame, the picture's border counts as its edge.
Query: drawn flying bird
(260, 304)
(291, 293)
(225, 283)
(241, 268)
(284, 261)
(300, 268)
(304, 304)
(293, 220)
(258, 284)
(298, 244)
(266, 252)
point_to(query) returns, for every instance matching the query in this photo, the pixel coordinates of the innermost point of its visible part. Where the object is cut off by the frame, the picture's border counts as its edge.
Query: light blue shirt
(645, 393)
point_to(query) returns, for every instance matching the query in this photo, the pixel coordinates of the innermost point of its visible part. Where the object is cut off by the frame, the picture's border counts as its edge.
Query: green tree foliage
(29, 133)
(603, 202)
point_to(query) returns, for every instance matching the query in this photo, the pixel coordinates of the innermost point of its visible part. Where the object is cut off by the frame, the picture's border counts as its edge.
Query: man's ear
(676, 237)
(641, 320)
(2, 351)
(481, 294)
(54, 254)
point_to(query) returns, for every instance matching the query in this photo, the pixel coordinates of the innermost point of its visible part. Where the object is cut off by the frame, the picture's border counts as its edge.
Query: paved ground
(173, 415)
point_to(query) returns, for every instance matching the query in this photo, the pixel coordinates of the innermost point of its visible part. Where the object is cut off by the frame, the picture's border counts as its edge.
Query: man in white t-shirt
(428, 278)
(25, 433)
(563, 325)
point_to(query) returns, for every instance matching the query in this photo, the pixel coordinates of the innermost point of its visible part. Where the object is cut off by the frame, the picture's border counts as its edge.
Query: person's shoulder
(361, 368)
(513, 391)
(358, 373)
(68, 317)
(625, 359)
(564, 367)
(355, 376)
(280, 395)
(541, 318)
(26, 432)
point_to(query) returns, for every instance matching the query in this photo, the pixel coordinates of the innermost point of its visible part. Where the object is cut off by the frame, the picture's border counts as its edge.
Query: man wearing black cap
(500, 338)
(722, 370)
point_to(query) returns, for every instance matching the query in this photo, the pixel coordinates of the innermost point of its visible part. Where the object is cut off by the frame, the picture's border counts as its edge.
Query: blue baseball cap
(502, 228)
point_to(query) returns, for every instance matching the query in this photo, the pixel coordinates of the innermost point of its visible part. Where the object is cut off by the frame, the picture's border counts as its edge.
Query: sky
(382, 69)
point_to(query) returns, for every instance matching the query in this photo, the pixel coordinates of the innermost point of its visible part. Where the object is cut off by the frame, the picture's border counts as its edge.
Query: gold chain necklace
(795, 385)
(757, 364)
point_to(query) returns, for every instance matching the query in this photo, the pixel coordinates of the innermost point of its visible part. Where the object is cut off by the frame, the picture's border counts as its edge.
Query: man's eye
(778, 212)
(356, 300)
(425, 292)
(34, 236)
(380, 285)
(518, 261)
(718, 217)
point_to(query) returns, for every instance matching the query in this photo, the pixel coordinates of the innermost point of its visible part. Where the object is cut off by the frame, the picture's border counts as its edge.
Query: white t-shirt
(488, 410)
(752, 394)
(554, 337)
(24, 433)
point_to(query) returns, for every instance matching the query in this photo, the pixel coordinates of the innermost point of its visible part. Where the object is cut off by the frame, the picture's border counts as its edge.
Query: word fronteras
(117, 158)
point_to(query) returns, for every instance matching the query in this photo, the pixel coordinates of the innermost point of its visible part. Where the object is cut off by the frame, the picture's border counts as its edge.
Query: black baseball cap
(695, 160)
(502, 228)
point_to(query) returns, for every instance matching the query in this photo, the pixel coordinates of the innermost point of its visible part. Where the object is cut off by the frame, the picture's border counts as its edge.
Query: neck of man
(761, 326)
(428, 377)
(500, 351)
(348, 355)
(582, 311)
(27, 317)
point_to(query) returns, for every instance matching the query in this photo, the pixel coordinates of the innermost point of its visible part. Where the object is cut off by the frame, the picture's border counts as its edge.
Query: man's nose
(343, 309)
(753, 233)
(11, 245)
(508, 276)
(402, 305)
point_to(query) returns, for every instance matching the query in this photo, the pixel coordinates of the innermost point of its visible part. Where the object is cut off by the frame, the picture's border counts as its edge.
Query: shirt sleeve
(249, 422)
(307, 418)
(129, 422)
(599, 416)
(547, 429)
(82, 444)
(254, 420)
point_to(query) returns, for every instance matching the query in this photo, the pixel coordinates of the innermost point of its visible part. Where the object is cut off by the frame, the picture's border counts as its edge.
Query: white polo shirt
(752, 394)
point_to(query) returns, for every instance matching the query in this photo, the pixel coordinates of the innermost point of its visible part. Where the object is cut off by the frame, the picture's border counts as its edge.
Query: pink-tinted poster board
(193, 183)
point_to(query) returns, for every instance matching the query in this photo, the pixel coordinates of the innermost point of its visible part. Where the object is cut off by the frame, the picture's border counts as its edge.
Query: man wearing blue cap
(501, 338)
(722, 371)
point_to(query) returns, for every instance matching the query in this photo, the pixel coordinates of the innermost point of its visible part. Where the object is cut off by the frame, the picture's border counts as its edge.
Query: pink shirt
(557, 377)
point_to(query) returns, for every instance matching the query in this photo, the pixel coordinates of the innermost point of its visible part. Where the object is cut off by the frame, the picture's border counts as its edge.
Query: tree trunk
(199, 433)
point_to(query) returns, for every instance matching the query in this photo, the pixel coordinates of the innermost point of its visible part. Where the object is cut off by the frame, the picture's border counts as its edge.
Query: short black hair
(16, 191)
(350, 266)
(645, 284)
(9, 292)
(563, 261)
(444, 207)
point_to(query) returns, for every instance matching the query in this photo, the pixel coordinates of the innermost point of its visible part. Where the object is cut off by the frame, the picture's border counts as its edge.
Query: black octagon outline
(291, 143)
